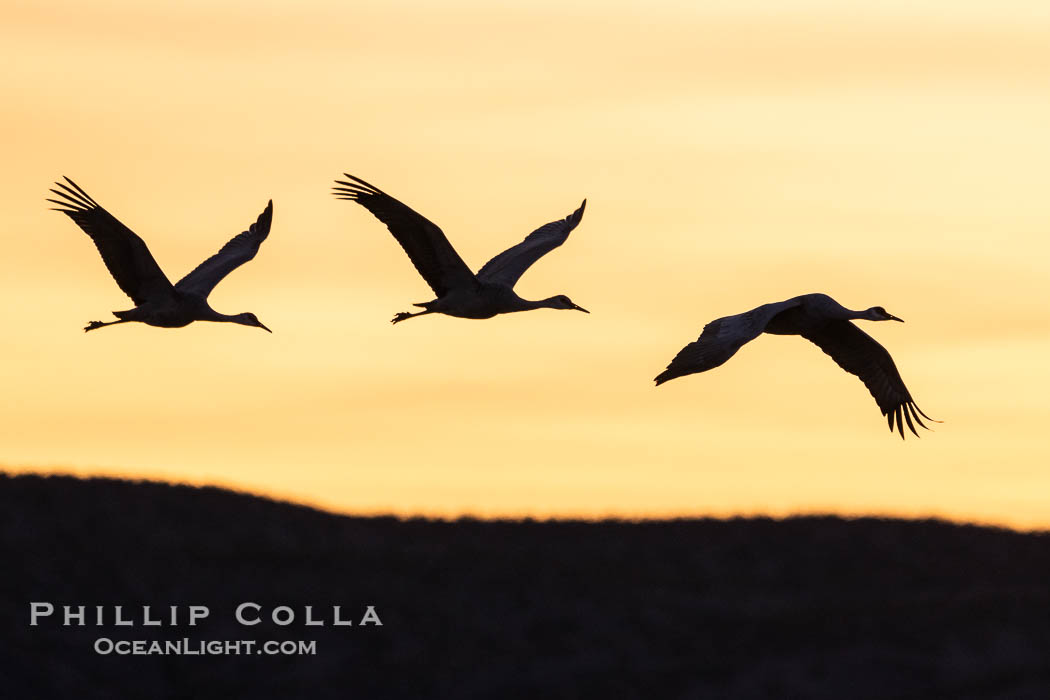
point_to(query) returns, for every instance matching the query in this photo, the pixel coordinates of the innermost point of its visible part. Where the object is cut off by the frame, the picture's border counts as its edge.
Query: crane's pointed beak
(580, 308)
(894, 318)
(264, 327)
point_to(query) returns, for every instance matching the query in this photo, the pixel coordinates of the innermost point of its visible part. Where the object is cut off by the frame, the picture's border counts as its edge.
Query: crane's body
(484, 300)
(459, 291)
(809, 312)
(181, 309)
(158, 302)
(824, 322)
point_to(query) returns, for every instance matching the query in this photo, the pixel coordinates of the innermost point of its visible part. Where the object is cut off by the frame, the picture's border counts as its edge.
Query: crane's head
(250, 319)
(563, 302)
(877, 313)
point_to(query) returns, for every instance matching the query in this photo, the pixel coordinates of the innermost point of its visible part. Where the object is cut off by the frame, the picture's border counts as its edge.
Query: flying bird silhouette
(823, 321)
(157, 301)
(459, 291)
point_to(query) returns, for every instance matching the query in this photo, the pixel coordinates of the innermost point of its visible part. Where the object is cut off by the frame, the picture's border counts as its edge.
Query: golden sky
(731, 154)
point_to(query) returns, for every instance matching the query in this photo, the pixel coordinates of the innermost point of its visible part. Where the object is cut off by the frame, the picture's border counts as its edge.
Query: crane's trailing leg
(99, 324)
(398, 318)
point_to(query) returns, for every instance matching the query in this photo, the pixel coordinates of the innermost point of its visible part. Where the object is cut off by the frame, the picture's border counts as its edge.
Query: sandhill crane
(459, 291)
(823, 321)
(157, 301)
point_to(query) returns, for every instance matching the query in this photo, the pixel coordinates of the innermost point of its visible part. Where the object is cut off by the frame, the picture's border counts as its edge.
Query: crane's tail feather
(666, 376)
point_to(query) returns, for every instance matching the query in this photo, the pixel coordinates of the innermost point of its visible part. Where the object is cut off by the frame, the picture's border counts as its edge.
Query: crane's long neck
(529, 304)
(209, 314)
(831, 309)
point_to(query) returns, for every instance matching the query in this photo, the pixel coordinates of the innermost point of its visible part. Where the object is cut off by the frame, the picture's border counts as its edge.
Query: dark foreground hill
(813, 607)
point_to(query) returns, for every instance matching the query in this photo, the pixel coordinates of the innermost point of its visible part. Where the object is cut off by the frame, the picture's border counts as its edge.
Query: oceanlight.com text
(200, 647)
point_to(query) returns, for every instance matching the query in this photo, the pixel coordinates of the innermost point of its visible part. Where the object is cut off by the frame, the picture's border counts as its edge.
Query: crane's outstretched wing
(428, 249)
(239, 250)
(721, 339)
(858, 353)
(508, 267)
(125, 254)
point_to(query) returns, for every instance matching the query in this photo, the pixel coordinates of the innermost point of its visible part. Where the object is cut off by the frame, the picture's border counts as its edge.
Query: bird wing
(424, 243)
(125, 254)
(239, 250)
(858, 353)
(508, 267)
(721, 339)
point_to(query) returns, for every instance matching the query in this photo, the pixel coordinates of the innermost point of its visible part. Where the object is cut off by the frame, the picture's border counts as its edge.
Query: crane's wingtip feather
(924, 414)
(905, 412)
(80, 191)
(916, 417)
(358, 182)
(907, 417)
(70, 181)
(349, 191)
(74, 198)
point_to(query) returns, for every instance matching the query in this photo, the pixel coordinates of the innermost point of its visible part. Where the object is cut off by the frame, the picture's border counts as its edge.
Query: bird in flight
(157, 301)
(459, 291)
(823, 321)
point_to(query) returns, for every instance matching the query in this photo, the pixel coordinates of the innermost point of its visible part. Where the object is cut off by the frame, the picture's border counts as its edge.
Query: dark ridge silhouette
(824, 322)
(805, 607)
(459, 291)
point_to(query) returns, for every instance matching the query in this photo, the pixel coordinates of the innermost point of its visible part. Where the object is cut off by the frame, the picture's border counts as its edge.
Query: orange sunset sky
(893, 153)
